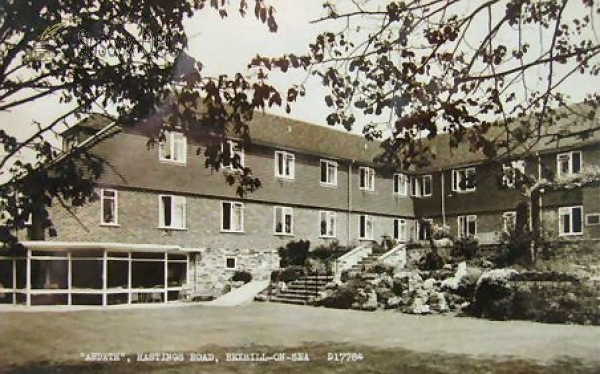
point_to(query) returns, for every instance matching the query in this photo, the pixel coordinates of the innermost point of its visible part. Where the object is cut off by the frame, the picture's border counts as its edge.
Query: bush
(294, 253)
(431, 261)
(241, 276)
(381, 268)
(465, 248)
(288, 274)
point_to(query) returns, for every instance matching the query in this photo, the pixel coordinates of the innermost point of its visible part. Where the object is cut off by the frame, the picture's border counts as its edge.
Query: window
(467, 226)
(592, 219)
(365, 227)
(366, 178)
(232, 217)
(570, 220)
(230, 262)
(109, 207)
(173, 148)
(568, 163)
(328, 223)
(234, 156)
(510, 172)
(283, 220)
(401, 184)
(171, 214)
(509, 221)
(421, 186)
(421, 232)
(463, 180)
(400, 232)
(284, 164)
(329, 172)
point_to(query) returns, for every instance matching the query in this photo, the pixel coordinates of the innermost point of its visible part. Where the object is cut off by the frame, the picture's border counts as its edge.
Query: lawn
(387, 341)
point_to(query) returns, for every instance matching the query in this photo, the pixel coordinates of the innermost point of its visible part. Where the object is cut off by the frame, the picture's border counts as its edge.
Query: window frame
(231, 210)
(284, 155)
(417, 228)
(235, 262)
(587, 223)
(366, 178)
(115, 197)
(170, 137)
(400, 226)
(467, 219)
(175, 200)
(284, 211)
(367, 218)
(457, 178)
(400, 179)
(569, 156)
(328, 218)
(329, 164)
(560, 225)
(419, 182)
(232, 144)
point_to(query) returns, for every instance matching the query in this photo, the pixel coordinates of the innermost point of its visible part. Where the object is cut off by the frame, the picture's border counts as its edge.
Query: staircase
(302, 290)
(365, 262)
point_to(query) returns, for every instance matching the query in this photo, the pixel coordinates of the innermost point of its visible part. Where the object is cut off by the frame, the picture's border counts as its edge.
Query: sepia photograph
(317, 186)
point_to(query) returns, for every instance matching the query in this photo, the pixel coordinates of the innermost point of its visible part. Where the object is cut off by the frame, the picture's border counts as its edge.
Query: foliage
(294, 253)
(344, 296)
(380, 268)
(414, 64)
(122, 61)
(432, 260)
(465, 248)
(241, 276)
(328, 252)
(441, 231)
(289, 274)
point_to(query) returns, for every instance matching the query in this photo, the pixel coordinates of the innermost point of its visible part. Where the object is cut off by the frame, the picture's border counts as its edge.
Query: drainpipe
(443, 198)
(349, 198)
(539, 162)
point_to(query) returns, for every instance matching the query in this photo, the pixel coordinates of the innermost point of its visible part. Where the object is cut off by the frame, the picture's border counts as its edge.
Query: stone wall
(209, 272)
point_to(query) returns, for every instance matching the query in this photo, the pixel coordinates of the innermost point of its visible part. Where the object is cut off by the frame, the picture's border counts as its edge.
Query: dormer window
(463, 180)
(235, 155)
(173, 148)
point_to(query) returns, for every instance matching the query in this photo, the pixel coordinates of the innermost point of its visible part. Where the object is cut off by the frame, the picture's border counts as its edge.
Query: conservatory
(81, 273)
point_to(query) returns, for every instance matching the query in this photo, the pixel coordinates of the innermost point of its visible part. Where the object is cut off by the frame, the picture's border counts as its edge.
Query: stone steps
(302, 290)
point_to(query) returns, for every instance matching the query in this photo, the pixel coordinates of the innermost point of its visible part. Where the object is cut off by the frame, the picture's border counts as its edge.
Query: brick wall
(138, 223)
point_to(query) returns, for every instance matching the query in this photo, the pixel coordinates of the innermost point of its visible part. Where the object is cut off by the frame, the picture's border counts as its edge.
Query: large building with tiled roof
(161, 211)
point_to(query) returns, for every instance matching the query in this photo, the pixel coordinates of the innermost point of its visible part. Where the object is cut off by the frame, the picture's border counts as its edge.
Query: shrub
(465, 248)
(291, 273)
(431, 261)
(343, 298)
(381, 268)
(241, 276)
(294, 253)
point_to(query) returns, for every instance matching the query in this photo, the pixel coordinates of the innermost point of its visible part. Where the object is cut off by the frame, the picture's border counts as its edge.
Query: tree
(466, 68)
(124, 60)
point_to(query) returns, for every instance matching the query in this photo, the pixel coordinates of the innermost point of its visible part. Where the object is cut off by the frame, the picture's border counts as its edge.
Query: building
(163, 221)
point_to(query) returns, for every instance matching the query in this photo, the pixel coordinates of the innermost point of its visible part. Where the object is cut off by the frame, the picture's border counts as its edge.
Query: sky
(226, 46)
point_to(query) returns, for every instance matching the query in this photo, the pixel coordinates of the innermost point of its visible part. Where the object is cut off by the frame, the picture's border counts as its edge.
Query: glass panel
(226, 216)
(332, 169)
(576, 162)
(324, 172)
(332, 224)
(117, 274)
(166, 211)
(49, 274)
(323, 219)
(288, 223)
(278, 220)
(87, 274)
(577, 220)
(566, 223)
(237, 212)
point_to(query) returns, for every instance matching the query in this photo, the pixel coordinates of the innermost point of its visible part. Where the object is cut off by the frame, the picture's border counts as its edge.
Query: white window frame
(400, 229)
(463, 231)
(177, 146)
(510, 216)
(417, 186)
(509, 172)
(561, 213)
(458, 175)
(366, 178)
(588, 216)
(234, 149)
(285, 156)
(400, 184)
(175, 201)
(240, 209)
(115, 198)
(366, 218)
(417, 228)
(234, 262)
(285, 211)
(330, 219)
(568, 157)
(328, 165)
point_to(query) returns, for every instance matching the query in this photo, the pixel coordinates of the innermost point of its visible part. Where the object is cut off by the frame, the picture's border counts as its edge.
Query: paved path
(62, 336)
(241, 296)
